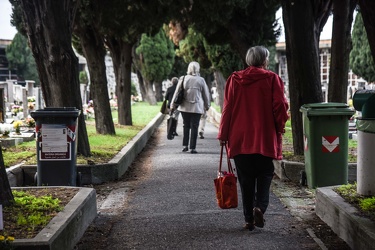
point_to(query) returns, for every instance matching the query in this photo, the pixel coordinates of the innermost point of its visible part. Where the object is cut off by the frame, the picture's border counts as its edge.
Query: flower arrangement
(88, 109)
(5, 242)
(30, 122)
(30, 105)
(15, 109)
(31, 99)
(5, 133)
(135, 98)
(5, 129)
(17, 126)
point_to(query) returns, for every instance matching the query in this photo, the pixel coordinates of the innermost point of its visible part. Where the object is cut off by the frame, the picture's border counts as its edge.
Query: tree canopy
(20, 58)
(156, 58)
(157, 55)
(122, 24)
(192, 48)
(220, 57)
(361, 60)
(238, 23)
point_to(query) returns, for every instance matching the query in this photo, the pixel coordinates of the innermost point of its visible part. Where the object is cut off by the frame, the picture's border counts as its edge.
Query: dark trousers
(255, 173)
(191, 123)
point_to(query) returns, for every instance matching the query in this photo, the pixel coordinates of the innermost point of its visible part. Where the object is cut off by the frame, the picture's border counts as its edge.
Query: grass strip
(103, 147)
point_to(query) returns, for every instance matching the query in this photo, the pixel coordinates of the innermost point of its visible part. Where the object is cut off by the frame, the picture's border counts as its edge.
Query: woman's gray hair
(193, 69)
(174, 80)
(257, 56)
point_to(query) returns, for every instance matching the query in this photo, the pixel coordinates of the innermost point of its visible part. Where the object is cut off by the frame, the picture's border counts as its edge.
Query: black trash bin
(56, 143)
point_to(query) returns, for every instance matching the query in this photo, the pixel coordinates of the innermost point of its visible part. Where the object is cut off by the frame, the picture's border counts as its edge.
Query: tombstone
(17, 93)
(39, 102)
(325, 91)
(25, 105)
(83, 88)
(30, 87)
(2, 105)
(9, 91)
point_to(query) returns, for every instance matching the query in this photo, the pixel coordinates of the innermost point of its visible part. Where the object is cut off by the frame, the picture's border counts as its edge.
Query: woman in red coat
(252, 123)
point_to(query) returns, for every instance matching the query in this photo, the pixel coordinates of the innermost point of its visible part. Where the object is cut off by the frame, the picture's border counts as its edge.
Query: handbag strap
(182, 84)
(230, 168)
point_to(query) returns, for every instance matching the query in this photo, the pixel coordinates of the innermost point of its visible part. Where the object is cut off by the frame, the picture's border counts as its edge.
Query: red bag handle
(230, 168)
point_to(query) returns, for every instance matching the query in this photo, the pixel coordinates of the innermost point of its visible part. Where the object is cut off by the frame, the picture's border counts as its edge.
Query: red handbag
(226, 185)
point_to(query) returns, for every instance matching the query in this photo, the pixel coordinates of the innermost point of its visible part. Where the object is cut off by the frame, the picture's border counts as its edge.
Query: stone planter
(67, 227)
(344, 219)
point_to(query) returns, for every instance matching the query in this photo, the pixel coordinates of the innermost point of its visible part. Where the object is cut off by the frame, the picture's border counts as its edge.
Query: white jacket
(196, 95)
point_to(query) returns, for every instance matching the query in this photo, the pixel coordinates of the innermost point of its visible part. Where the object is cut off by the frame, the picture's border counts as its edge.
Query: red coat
(254, 113)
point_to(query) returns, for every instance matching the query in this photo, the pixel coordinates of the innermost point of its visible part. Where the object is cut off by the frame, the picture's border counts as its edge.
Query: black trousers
(255, 173)
(191, 124)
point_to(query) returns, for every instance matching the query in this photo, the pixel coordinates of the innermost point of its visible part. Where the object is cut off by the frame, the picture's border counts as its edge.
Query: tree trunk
(122, 60)
(126, 93)
(207, 78)
(220, 86)
(137, 66)
(6, 196)
(49, 30)
(340, 50)
(158, 91)
(146, 87)
(93, 48)
(142, 86)
(303, 23)
(150, 92)
(368, 15)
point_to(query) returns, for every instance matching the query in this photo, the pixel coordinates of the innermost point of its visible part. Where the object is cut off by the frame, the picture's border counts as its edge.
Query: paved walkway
(175, 208)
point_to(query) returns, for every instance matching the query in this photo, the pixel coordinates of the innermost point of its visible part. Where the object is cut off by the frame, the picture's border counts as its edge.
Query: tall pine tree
(361, 61)
(157, 58)
(21, 59)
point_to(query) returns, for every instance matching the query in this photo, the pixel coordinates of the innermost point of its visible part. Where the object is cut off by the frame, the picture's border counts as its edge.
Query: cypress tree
(361, 61)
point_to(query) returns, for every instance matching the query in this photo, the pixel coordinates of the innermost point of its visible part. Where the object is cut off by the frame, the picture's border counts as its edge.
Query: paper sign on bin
(330, 144)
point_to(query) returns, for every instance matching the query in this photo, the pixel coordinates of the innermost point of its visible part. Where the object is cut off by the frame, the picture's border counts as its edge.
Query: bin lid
(327, 108)
(55, 112)
(364, 101)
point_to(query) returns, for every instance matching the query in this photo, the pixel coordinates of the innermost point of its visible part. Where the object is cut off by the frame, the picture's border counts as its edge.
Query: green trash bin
(56, 140)
(364, 101)
(326, 134)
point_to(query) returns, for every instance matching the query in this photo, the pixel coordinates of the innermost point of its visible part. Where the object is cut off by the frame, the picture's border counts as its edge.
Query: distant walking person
(168, 96)
(170, 91)
(196, 101)
(202, 125)
(252, 123)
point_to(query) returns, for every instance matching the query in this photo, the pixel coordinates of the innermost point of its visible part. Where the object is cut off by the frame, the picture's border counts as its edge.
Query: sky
(326, 33)
(7, 31)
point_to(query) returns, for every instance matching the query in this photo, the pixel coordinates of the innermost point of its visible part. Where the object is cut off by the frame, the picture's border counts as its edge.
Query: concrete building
(5, 72)
(354, 81)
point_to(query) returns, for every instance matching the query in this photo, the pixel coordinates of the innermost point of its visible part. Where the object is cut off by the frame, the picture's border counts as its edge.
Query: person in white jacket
(195, 102)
